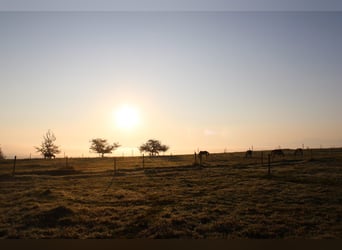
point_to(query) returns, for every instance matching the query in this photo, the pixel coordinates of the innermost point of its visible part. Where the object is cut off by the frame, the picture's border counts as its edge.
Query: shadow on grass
(58, 216)
(53, 172)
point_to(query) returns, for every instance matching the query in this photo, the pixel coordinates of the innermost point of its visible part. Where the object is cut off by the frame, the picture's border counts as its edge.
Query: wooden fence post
(66, 161)
(269, 164)
(262, 158)
(114, 166)
(14, 163)
(143, 161)
(195, 158)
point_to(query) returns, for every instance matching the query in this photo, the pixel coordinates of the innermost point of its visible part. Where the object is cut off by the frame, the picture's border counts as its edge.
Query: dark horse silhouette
(201, 153)
(298, 151)
(249, 153)
(49, 155)
(206, 153)
(277, 152)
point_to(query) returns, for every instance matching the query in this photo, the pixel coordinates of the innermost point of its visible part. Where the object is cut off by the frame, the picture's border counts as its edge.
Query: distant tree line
(48, 149)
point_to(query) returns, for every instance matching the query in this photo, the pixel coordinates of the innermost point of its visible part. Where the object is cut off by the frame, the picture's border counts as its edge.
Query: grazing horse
(277, 152)
(298, 151)
(201, 153)
(49, 155)
(249, 153)
(206, 153)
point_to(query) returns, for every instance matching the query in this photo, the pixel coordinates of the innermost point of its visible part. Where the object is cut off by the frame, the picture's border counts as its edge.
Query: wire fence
(122, 163)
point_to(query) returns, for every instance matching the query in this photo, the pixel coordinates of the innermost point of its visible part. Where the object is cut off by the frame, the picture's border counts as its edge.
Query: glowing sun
(126, 117)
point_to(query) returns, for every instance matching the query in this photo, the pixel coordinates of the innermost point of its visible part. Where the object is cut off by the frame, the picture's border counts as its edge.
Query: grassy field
(229, 197)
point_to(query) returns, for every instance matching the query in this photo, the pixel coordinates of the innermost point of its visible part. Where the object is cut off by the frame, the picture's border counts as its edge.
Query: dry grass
(230, 197)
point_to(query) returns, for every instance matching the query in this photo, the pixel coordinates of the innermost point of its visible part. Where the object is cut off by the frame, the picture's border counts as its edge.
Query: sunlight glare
(126, 117)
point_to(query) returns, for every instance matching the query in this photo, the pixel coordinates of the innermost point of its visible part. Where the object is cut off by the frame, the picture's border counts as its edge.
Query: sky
(174, 5)
(208, 80)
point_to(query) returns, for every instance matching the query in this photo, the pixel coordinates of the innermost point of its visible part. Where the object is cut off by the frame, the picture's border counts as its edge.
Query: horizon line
(94, 155)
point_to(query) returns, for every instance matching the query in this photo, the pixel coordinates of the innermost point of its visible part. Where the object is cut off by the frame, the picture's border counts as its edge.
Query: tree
(48, 148)
(101, 146)
(2, 156)
(153, 147)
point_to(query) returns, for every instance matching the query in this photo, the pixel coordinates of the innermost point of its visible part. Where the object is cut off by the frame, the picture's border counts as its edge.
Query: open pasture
(229, 197)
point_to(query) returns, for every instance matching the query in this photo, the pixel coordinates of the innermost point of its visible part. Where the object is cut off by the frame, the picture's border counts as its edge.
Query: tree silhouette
(101, 146)
(48, 149)
(153, 147)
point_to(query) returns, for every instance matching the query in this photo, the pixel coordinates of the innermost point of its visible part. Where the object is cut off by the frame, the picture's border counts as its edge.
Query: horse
(206, 153)
(49, 155)
(298, 151)
(201, 153)
(277, 152)
(249, 153)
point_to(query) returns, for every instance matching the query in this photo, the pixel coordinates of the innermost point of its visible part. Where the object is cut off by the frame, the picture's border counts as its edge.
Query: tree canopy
(48, 148)
(101, 146)
(153, 147)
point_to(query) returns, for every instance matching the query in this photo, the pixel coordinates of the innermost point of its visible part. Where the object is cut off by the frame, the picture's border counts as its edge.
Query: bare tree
(153, 147)
(48, 148)
(101, 146)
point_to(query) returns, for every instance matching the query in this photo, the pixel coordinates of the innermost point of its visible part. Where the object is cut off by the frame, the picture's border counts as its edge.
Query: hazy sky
(207, 80)
(174, 5)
